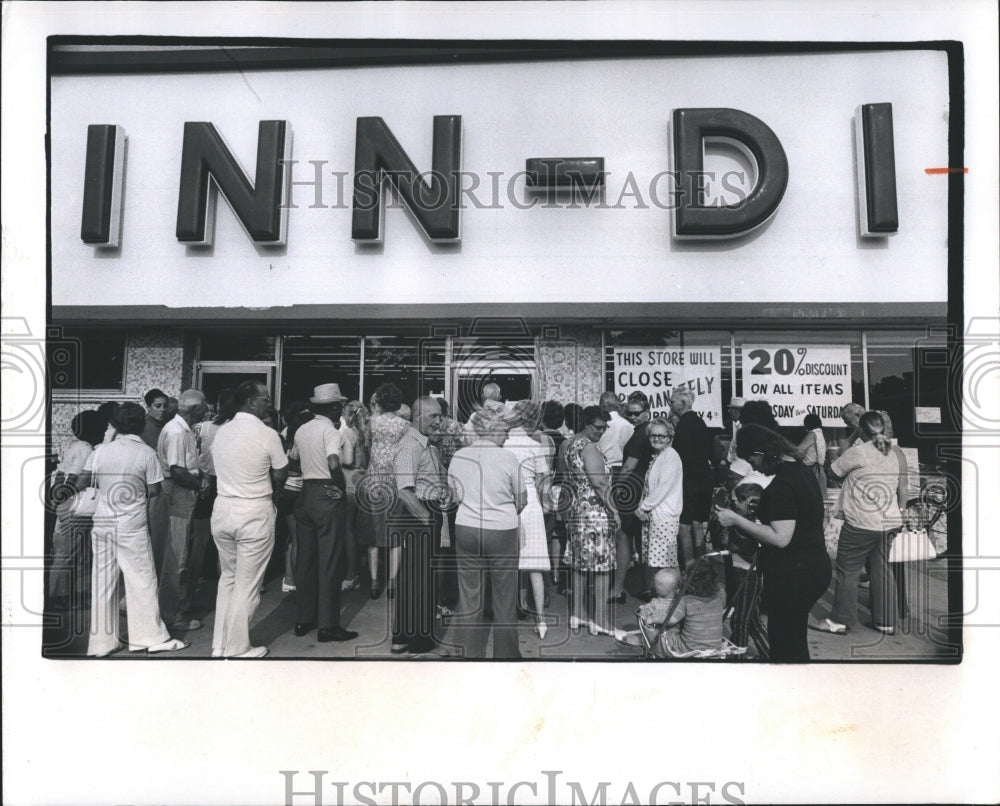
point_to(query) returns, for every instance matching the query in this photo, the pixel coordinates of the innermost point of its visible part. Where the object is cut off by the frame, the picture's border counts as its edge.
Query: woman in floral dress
(376, 490)
(590, 530)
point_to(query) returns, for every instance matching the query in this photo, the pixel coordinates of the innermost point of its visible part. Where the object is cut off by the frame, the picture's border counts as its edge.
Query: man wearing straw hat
(320, 518)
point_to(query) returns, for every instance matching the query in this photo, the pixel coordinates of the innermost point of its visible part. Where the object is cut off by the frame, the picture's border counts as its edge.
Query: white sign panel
(657, 371)
(927, 414)
(509, 112)
(798, 380)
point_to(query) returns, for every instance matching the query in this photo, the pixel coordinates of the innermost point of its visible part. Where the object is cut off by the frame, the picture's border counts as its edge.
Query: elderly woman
(592, 524)
(793, 558)
(125, 472)
(532, 455)
(662, 501)
(486, 481)
(874, 495)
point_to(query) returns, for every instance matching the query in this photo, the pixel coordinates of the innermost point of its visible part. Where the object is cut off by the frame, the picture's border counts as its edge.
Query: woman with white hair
(486, 481)
(662, 501)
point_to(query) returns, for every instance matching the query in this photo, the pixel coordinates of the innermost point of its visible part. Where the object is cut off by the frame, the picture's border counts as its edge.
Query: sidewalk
(922, 637)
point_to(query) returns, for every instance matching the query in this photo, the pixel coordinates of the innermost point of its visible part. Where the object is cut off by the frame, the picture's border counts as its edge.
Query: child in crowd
(695, 624)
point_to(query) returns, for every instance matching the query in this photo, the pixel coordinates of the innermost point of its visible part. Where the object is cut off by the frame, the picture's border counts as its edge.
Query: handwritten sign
(798, 380)
(657, 371)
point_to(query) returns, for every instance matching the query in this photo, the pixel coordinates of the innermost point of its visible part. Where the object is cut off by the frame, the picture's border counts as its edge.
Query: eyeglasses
(598, 427)
(659, 436)
(265, 398)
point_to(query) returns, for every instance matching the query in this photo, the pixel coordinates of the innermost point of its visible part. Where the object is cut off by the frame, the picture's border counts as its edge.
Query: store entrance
(215, 376)
(468, 390)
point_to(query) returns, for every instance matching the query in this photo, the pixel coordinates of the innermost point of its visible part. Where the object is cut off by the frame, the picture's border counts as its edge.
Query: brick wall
(152, 358)
(571, 367)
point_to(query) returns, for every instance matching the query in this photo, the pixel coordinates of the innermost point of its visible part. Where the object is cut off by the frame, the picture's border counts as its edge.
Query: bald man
(178, 562)
(693, 443)
(421, 487)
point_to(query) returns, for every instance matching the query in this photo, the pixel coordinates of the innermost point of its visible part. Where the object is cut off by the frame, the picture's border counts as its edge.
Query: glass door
(214, 376)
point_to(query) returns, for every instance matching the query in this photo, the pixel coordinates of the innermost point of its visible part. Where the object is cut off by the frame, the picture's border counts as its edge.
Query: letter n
(101, 222)
(755, 138)
(379, 157)
(206, 159)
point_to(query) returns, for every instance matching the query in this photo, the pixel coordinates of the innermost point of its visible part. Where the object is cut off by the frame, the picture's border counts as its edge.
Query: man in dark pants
(636, 458)
(693, 443)
(320, 515)
(421, 490)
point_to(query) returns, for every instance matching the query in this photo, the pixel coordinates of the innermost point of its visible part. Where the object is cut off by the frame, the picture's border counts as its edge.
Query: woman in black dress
(793, 556)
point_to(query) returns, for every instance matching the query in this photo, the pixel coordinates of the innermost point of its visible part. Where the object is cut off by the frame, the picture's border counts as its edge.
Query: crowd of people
(469, 528)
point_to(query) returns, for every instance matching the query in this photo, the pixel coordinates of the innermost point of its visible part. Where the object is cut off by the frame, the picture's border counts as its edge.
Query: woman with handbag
(874, 496)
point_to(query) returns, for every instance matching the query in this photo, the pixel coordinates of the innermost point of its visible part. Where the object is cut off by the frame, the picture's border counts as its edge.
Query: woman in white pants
(126, 472)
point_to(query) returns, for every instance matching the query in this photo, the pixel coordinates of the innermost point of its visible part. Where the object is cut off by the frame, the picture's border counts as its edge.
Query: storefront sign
(698, 185)
(798, 380)
(657, 371)
(435, 197)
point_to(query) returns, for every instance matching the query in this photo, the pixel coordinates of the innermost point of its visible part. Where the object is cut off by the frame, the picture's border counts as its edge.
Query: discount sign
(797, 381)
(657, 371)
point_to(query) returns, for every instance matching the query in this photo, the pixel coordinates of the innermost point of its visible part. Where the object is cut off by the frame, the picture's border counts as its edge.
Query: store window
(416, 364)
(83, 359)
(308, 361)
(891, 383)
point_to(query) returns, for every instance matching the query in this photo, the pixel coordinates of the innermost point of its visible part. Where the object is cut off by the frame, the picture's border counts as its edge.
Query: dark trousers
(414, 605)
(487, 554)
(854, 547)
(445, 562)
(789, 594)
(745, 623)
(319, 526)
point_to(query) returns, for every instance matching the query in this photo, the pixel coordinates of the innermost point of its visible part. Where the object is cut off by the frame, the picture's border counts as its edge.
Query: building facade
(750, 222)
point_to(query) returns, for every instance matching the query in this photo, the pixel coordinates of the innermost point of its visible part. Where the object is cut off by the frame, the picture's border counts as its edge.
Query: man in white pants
(125, 472)
(248, 460)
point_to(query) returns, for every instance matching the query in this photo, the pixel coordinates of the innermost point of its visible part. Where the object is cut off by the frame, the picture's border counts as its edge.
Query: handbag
(911, 545)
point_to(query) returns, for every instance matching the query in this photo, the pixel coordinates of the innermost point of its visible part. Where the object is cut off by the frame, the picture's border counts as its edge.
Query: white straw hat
(327, 393)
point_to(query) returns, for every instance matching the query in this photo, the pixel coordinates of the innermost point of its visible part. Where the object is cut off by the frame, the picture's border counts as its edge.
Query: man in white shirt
(320, 519)
(125, 472)
(421, 488)
(177, 560)
(250, 463)
(612, 445)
